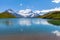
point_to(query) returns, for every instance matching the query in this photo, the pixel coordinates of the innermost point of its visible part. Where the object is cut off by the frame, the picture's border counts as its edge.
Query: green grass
(51, 15)
(6, 15)
(54, 22)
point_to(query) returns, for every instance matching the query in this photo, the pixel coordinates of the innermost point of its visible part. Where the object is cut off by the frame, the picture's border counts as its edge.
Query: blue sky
(28, 4)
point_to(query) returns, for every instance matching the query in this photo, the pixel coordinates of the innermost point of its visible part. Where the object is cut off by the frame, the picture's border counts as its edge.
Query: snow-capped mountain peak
(25, 13)
(13, 13)
(28, 13)
(10, 11)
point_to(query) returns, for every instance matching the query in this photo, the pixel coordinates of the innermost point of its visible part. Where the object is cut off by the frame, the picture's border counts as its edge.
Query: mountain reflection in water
(54, 22)
(29, 29)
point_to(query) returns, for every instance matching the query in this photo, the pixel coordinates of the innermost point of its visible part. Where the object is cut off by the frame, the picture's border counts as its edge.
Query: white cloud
(56, 1)
(57, 33)
(42, 12)
(54, 9)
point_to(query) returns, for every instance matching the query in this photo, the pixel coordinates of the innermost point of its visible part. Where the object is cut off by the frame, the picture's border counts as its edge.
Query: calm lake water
(29, 29)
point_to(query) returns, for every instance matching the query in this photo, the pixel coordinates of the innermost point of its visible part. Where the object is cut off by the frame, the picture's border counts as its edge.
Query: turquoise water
(26, 26)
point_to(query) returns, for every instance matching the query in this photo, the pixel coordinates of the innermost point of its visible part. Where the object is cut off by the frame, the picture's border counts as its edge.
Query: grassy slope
(52, 15)
(6, 15)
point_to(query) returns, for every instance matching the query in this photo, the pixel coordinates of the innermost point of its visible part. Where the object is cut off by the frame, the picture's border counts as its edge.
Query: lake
(29, 29)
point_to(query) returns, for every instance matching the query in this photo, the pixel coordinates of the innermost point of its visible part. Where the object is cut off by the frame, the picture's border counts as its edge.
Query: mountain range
(29, 14)
(12, 14)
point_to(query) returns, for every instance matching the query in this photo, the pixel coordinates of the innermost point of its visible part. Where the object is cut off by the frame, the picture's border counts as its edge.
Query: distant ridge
(51, 15)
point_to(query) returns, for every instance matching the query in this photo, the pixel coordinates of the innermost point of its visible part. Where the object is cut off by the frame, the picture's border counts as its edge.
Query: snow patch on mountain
(29, 13)
(32, 13)
(10, 11)
(25, 13)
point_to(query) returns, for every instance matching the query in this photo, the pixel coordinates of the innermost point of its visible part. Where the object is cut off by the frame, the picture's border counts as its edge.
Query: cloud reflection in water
(29, 22)
(56, 32)
(24, 22)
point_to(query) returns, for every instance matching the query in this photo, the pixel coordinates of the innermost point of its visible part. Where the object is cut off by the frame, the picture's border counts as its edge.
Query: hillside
(51, 15)
(6, 15)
